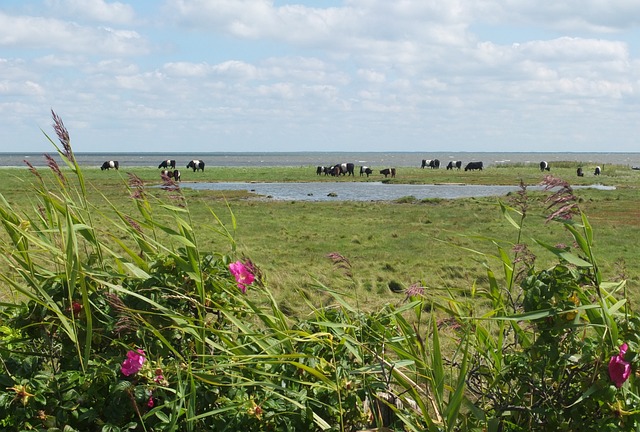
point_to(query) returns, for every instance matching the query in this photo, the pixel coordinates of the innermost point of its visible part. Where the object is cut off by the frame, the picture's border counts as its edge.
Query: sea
(301, 159)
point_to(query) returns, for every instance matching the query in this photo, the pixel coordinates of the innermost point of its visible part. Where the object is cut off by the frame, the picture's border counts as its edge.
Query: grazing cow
(167, 174)
(196, 165)
(335, 170)
(544, 166)
(597, 171)
(388, 171)
(348, 169)
(109, 164)
(579, 172)
(456, 164)
(326, 170)
(365, 170)
(472, 166)
(431, 163)
(169, 163)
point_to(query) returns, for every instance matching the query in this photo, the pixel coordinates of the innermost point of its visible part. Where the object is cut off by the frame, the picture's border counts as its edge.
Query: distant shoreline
(304, 159)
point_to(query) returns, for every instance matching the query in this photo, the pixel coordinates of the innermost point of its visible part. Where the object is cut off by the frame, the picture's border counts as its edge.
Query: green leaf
(505, 212)
(565, 255)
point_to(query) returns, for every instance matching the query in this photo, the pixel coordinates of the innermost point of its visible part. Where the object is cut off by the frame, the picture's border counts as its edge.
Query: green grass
(398, 243)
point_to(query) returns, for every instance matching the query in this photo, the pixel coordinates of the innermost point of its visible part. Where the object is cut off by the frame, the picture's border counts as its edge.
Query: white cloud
(39, 33)
(597, 16)
(94, 10)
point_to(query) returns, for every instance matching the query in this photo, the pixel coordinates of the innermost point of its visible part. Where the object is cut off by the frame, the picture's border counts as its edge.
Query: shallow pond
(358, 191)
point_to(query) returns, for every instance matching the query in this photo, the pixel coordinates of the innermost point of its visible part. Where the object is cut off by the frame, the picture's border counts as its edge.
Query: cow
(169, 163)
(431, 163)
(456, 164)
(472, 166)
(579, 172)
(196, 165)
(388, 171)
(597, 171)
(365, 170)
(321, 169)
(347, 169)
(168, 174)
(109, 164)
(544, 166)
(335, 170)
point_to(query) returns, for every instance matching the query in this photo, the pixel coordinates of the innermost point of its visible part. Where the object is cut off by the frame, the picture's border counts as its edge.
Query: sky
(325, 75)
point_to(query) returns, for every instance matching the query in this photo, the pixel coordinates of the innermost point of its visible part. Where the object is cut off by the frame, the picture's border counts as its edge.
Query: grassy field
(388, 245)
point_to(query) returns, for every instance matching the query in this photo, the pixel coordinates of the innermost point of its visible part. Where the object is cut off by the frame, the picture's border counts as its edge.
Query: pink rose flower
(619, 368)
(243, 275)
(133, 363)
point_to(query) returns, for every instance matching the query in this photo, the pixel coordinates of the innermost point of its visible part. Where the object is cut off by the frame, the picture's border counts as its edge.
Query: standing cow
(196, 165)
(431, 163)
(388, 171)
(109, 164)
(169, 163)
(456, 164)
(365, 170)
(472, 166)
(347, 169)
(168, 175)
(597, 171)
(544, 166)
(579, 172)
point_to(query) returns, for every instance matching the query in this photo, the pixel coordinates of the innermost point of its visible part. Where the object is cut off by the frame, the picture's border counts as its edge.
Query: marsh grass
(404, 241)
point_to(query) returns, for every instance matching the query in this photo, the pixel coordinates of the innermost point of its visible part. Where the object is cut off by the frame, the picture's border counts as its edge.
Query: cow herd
(168, 166)
(169, 170)
(348, 169)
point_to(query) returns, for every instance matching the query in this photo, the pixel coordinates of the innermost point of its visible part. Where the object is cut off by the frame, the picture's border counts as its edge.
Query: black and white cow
(168, 174)
(544, 166)
(365, 170)
(196, 165)
(597, 171)
(335, 170)
(388, 171)
(109, 164)
(347, 169)
(579, 172)
(169, 163)
(320, 170)
(472, 166)
(456, 164)
(431, 163)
